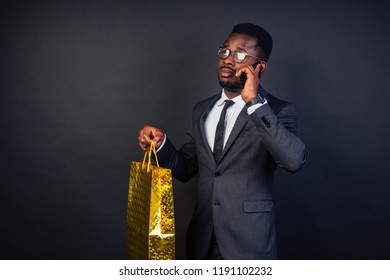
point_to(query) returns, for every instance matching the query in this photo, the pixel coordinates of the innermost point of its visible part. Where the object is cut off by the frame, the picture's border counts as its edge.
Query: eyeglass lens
(238, 55)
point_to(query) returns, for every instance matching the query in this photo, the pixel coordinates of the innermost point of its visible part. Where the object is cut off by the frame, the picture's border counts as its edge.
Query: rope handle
(148, 154)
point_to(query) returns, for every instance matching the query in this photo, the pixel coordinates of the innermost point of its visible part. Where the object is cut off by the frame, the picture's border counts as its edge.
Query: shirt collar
(237, 100)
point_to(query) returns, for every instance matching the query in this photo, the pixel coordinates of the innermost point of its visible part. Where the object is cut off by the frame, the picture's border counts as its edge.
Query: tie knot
(228, 103)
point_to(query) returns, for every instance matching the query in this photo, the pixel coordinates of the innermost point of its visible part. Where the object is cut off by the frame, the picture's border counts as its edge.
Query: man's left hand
(252, 82)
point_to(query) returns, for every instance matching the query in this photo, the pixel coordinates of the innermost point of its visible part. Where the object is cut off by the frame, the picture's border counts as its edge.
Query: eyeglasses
(237, 55)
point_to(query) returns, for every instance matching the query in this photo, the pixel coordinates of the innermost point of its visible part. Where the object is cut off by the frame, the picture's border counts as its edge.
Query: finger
(252, 69)
(143, 147)
(157, 134)
(242, 71)
(146, 138)
(245, 71)
(258, 68)
(140, 139)
(146, 135)
(143, 134)
(152, 133)
(141, 142)
(157, 142)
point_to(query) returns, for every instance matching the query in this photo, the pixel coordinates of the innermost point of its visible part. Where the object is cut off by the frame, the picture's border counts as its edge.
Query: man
(235, 148)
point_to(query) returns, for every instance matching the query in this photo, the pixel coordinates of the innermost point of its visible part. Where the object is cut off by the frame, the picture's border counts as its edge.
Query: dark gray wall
(80, 78)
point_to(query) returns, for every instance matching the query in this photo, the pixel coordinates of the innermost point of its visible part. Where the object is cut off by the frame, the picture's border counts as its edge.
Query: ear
(263, 66)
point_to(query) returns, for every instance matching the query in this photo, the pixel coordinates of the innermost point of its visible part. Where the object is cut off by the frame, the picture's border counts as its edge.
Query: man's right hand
(148, 134)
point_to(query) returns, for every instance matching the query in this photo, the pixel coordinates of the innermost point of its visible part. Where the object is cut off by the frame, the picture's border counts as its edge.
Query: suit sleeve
(280, 135)
(183, 162)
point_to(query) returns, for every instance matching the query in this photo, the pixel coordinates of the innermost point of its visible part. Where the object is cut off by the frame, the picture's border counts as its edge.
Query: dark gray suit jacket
(234, 195)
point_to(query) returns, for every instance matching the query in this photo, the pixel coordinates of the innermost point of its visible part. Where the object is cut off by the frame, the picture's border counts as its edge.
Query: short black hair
(264, 39)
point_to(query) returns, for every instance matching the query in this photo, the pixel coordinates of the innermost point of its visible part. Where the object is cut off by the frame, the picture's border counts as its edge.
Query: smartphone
(243, 77)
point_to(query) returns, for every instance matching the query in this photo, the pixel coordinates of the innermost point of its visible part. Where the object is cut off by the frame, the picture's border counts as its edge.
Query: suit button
(266, 122)
(217, 174)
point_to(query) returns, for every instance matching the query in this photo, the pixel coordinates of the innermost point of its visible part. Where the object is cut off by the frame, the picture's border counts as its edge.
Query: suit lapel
(202, 120)
(242, 119)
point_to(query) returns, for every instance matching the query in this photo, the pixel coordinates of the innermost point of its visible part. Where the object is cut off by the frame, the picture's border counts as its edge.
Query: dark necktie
(220, 132)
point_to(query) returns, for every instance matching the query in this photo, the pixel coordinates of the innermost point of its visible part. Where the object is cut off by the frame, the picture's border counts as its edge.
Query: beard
(231, 86)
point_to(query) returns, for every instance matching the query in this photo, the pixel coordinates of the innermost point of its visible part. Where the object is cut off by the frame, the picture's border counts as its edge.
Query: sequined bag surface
(150, 232)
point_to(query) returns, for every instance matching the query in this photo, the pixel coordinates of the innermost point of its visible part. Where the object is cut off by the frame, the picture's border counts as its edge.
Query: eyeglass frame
(241, 51)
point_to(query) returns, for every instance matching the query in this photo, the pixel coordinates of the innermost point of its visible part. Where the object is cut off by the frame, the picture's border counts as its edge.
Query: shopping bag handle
(148, 154)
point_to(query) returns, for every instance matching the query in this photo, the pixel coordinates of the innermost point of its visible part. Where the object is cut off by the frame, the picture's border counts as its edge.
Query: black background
(80, 78)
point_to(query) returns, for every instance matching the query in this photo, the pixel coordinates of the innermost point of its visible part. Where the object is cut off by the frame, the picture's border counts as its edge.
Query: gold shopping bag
(150, 232)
